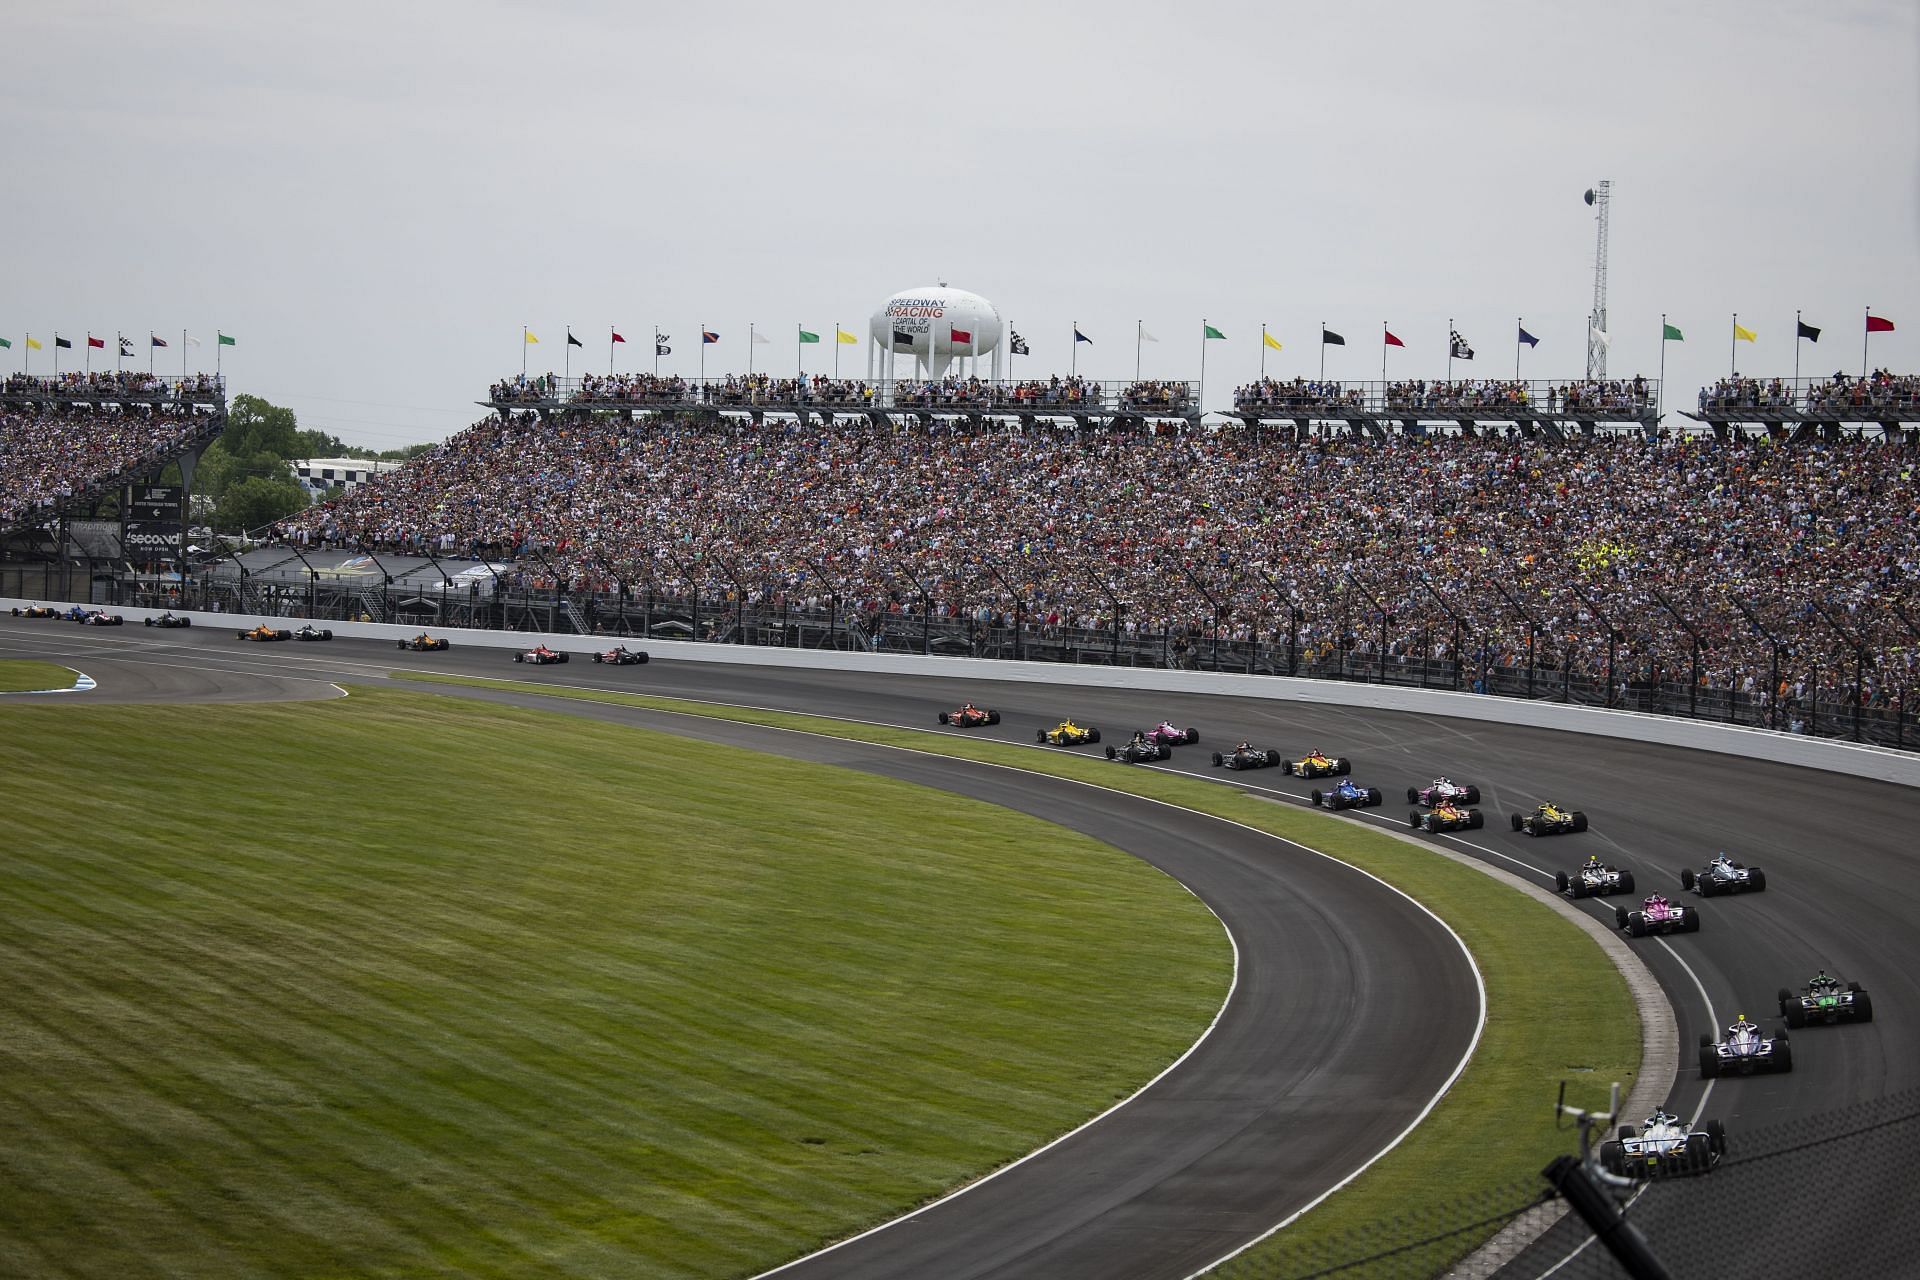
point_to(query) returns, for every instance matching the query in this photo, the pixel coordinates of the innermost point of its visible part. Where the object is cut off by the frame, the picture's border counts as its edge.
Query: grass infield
(1557, 1008)
(20, 675)
(406, 984)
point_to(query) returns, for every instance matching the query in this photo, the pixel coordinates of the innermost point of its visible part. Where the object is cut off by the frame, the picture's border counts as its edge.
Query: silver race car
(1666, 1147)
(1744, 1052)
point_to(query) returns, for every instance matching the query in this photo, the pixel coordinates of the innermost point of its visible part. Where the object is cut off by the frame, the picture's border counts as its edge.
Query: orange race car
(264, 632)
(423, 643)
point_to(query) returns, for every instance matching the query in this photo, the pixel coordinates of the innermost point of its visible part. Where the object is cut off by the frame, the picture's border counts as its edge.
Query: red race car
(540, 655)
(969, 717)
(621, 656)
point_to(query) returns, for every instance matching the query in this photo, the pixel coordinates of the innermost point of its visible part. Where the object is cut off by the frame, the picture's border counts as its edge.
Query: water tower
(939, 328)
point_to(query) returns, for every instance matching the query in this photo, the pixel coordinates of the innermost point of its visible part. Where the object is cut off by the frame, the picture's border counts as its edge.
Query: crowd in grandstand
(1881, 390)
(1475, 395)
(768, 391)
(49, 457)
(1079, 520)
(121, 384)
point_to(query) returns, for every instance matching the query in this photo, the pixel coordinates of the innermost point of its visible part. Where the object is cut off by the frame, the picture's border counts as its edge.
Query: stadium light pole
(1019, 608)
(1859, 661)
(1386, 620)
(833, 601)
(1773, 688)
(1693, 689)
(1533, 627)
(1460, 628)
(693, 585)
(1900, 710)
(1208, 596)
(1613, 635)
(386, 580)
(926, 604)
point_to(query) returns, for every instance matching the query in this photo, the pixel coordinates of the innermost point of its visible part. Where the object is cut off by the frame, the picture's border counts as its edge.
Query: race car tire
(639, 659)
(993, 717)
(1862, 1007)
(1216, 759)
(1629, 1131)
(1040, 736)
(1286, 767)
(1622, 919)
(943, 717)
(1413, 797)
(1413, 820)
(599, 658)
(1717, 1137)
(1699, 1152)
(1626, 882)
(1782, 1052)
(1476, 820)
(1314, 798)
(1517, 820)
(145, 622)
(401, 643)
(519, 657)
(1193, 735)
(1686, 877)
(1473, 795)
(1374, 797)
(1093, 735)
(1561, 884)
(1691, 922)
(1756, 879)
(1112, 753)
(1165, 752)
(1709, 1059)
(1577, 888)
(1706, 1038)
(1343, 766)
(1579, 821)
(1796, 1016)
(1613, 1154)
(562, 658)
(1785, 995)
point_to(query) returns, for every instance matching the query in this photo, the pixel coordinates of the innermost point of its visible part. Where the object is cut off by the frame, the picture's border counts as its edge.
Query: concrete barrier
(1832, 755)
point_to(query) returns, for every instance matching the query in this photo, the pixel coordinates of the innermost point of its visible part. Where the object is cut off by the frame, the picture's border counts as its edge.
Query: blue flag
(1079, 336)
(1529, 339)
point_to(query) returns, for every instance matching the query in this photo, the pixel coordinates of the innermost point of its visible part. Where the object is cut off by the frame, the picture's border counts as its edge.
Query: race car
(1443, 789)
(263, 632)
(1447, 816)
(1347, 796)
(100, 618)
(621, 656)
(1745, 1051)
(1316, 765)
(36, 611)
(423, 643)
(1595, 880)
(1141, 749)
(1166, 735)
(540, 655)
(1549, 820)
(1723, 875)
(969, 717)
(1667, 1147)
(1246, 757)
(1827, 1000)
(1657, 916)
(167, 620)
(1067, 734)
(76, 613)
(311, 632)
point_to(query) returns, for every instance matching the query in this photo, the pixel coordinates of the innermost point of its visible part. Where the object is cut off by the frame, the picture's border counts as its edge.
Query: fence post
(1597, 1209)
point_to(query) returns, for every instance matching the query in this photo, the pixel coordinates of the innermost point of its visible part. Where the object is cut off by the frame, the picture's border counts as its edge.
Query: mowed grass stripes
(406, 985)
(22, 675)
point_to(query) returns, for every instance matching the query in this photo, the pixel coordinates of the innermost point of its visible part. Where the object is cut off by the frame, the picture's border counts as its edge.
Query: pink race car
(1658, 916)
(1443, 790)
(1164, 734)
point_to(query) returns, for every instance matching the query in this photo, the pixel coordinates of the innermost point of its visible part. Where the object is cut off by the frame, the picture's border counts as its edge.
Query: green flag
(6, 343)
(225, 341)
(1670, 334)
(1211, 332)
(809, 337)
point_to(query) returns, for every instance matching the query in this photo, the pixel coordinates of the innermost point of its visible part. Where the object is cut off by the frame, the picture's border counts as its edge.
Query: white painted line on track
(82, 683)
(1459, 1069)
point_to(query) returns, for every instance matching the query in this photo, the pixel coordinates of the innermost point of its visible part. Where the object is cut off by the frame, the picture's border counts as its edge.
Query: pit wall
(1859, 760)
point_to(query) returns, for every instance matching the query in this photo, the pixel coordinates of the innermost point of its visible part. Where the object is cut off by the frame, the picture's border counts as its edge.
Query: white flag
(192, 341)
(761, 340)
(1600, 336)
(1147, 337)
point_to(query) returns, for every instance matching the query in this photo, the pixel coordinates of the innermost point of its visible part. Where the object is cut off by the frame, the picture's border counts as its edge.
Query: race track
(1842, 895)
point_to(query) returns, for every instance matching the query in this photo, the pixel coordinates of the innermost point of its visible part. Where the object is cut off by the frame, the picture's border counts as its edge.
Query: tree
(257, 426)
(253, 501)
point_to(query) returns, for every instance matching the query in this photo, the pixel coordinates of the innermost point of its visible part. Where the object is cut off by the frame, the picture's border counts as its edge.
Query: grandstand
(1554, 409)
(1804, 407)
(82, 457)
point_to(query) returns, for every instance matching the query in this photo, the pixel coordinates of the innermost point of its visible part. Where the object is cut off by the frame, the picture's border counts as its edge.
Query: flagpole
(799, 365)
(566, 359)
(88, 366)
(1449, 348)
(1073, 360)
(656, 351)
(749, 348)
(523, 350)
(1203, 364)
(1139, 329)
(610, 333)
(1796, 347)
(703, 353)
(217, 353)
(1323, 351)
(183, 353)
(150, 353)
(1660, 392)
(26, 357)
(1383, 356)
(1263, 351)
(1519, 323)
(1733, 349)
(1866, 325)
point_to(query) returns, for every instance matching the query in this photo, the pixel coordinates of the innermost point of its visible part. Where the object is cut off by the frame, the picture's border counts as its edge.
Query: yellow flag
(1273, 342)
(531, 340)
(1742, 335)
(845, 337)
(33, 344)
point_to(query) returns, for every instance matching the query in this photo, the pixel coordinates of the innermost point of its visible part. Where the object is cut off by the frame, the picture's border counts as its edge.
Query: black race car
(1347, 796)
(1447, 816)
(621, 656)
(36, 611)
(424, 643)
(1595, 880)
(1550, 820)
(311, 632)
(1723, 875)
(167, 620)
(1826, 1000)
(1246, 757)
(1744, 1052)
(1141, 750)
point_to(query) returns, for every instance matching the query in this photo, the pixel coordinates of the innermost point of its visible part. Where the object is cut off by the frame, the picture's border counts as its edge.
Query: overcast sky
(375, 198)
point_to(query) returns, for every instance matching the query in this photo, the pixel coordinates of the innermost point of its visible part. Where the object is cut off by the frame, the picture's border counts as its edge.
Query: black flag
(1808, 332)
(573, 341)
(1328, 338)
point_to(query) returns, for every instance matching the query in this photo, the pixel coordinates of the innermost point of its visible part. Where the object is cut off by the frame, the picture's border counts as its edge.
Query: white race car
(1666, 1147)
(1745, 1051)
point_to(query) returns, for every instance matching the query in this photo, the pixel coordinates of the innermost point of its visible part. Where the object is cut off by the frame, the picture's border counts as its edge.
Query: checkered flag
(1460, 350)
(1020, 344)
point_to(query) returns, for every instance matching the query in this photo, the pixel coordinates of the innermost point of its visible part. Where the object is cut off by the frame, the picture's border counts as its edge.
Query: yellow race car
(1067, 734)
(1317, 765)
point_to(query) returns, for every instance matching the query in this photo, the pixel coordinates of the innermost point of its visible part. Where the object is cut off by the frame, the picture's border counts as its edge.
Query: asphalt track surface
(1840, 856)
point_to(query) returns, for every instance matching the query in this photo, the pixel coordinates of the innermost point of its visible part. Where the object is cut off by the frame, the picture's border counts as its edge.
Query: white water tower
(940, 328)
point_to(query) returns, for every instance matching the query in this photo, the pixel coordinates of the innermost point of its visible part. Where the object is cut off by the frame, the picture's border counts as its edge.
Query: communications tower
(1597, 331)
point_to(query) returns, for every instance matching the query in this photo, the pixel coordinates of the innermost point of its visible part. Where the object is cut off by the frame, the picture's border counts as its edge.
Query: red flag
(96, 342)
(1878, 324)
(617, 337)
(1393, 341)
(966, 336)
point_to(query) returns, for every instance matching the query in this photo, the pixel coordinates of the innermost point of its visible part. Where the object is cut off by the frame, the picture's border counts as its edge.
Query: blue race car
(1347, 796)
